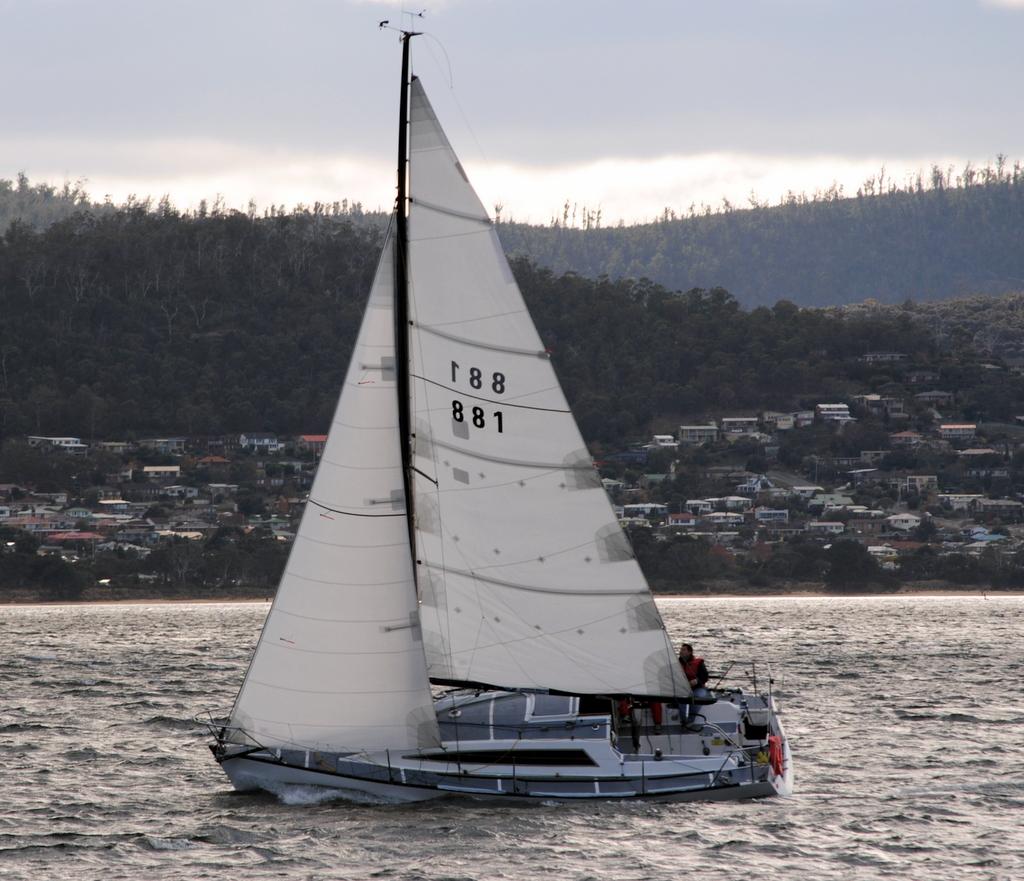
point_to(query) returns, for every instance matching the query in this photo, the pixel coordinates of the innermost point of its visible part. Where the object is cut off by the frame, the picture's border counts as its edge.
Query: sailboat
(461, 613)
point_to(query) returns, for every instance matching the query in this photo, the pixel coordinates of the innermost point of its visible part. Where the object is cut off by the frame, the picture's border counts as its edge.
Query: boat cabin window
(553, 705)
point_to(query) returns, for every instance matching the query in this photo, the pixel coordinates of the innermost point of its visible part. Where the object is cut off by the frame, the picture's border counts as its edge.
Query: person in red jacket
(697, 675)
(693, 667)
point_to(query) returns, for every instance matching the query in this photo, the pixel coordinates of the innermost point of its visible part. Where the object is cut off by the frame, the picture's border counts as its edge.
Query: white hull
(572, 757)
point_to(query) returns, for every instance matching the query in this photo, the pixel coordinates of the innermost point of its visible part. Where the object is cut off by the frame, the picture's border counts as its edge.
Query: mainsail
(526, 579)
(340, 662)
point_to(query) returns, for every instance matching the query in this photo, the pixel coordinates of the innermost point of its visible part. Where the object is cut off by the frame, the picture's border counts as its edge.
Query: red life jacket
(691, 667)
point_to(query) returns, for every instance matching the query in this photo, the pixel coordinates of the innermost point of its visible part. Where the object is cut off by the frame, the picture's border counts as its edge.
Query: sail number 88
(476, 415)
(476, 379)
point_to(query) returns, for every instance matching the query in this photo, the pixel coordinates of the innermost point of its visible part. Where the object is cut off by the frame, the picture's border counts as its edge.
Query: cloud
(628, 189)
(1005, 4)
(637, 190)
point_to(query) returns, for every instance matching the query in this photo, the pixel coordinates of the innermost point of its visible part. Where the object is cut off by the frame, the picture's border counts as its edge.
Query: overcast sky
(627, 106)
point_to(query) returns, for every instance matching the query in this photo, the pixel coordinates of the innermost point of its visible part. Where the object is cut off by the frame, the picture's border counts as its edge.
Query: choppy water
(905, 716)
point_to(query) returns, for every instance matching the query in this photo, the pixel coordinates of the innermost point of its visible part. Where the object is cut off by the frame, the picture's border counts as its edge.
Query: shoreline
(930, 591)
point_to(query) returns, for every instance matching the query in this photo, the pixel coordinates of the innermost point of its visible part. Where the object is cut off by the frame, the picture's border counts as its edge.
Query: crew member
(697, 675)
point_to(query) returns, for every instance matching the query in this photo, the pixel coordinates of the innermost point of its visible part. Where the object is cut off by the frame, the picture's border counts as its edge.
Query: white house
(738, 424)
(262, 443)
(71, 445)
(645, 509)
(904, 522)
(771, 515)
(953, 431)
(834, 412)
(698, 434)
(826, 527)
(723, 518)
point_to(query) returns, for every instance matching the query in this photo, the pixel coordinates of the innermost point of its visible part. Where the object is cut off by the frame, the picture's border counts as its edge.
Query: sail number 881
(476, 416)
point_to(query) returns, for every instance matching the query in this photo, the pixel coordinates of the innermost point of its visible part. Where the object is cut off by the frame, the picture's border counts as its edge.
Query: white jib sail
(340, 663)
(526, 579)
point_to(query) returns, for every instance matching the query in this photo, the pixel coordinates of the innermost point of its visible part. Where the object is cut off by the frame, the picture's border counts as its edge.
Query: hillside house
(957, 431)
(771, 515)
(826, 527)
(179, 491)
(914, 483)
(833, 412)
(73, 446)
(958, 501)
(311, 443)
(806, 492)
(168, 446)
(738, 424)
(880, 405)
(645, 509)
(1004, 509)
(934, 398)
(162, 474)
(723, 518)
(903, 522)
(824, 500)
(905, 439)
(774, 421)
(698, 434)
(116, 447)
(260, 443)
(754, 485)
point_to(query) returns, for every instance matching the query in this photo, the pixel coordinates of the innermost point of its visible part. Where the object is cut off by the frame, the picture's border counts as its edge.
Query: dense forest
(146, 320)
(947, 234)
(143, 319)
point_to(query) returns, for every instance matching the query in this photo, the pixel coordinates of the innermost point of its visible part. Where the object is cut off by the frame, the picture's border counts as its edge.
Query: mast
(402, 296)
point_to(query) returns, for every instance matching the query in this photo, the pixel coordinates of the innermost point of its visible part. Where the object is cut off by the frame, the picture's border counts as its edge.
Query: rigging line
(532, 588)
(495, 402)
(477, 344)
(334, 544)
(340, 620)
(335, 464)
(333, 583)
(451, 212)
(433, 327)
(294, 648)
(445, 236)
(454, 95)
(352, 513)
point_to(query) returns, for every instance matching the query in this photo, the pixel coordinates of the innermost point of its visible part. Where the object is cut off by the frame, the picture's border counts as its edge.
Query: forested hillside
(132, 320)
(949, 236)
